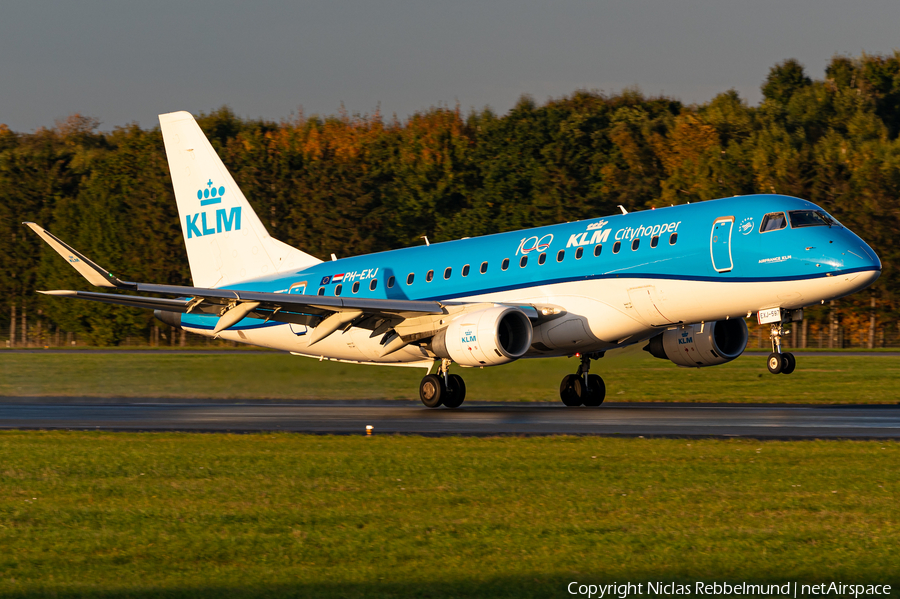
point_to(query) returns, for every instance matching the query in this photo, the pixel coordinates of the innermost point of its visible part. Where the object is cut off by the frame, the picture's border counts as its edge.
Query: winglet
(90, 270)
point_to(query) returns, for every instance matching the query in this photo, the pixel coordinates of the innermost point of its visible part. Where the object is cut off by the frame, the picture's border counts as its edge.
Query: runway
(477, 419)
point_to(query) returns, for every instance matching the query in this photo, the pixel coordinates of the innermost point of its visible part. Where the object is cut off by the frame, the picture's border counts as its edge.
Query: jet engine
(697, 345)
(487, 337)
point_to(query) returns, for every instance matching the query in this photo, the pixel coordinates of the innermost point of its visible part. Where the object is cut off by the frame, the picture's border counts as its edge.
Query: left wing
(400, 322)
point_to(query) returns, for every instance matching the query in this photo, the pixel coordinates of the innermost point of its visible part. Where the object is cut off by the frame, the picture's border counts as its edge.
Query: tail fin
(226, 242)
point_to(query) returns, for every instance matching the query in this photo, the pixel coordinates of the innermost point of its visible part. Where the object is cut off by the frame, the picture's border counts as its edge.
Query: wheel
(456, 391)
(775, 363)
(596, 391)
(790, 362)
(431, 391)
(571, 390)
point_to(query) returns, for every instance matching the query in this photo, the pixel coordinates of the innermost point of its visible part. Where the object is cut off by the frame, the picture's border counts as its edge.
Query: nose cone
(859, 264)
(856, 254)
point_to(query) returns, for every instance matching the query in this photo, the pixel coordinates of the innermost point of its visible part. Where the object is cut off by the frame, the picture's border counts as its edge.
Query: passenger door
(720, 243)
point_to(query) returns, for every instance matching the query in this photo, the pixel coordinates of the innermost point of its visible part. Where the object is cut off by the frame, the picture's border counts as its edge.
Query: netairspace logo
(724, 589)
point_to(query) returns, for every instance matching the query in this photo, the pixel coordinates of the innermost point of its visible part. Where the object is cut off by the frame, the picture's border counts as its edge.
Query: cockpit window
(773, 222)
(810, 218)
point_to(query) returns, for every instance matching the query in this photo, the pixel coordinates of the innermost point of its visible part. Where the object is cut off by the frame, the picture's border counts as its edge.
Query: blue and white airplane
(683, 278)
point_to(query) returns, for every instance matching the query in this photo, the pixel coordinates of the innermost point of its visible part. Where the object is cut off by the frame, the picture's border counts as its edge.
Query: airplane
(681, 278)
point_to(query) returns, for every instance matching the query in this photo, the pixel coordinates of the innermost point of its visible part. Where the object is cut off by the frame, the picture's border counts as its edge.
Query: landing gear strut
(779, 362)
(583, 388)
(442, 388)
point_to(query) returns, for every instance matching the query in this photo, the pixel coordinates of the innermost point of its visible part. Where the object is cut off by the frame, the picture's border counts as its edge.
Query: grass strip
(211, 515)
(629, 376)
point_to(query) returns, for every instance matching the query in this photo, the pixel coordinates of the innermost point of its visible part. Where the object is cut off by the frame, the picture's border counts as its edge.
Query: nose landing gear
(583, 388)
(443, 388)
(779, 362)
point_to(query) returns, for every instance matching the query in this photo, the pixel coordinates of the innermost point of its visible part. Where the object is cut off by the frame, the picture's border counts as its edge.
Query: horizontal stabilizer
(135, 301)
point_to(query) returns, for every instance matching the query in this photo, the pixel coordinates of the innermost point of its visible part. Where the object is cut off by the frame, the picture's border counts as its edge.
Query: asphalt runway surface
(476, 419)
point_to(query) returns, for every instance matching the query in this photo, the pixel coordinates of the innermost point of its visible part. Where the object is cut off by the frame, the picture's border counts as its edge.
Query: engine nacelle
(488, 337)
(697, 345)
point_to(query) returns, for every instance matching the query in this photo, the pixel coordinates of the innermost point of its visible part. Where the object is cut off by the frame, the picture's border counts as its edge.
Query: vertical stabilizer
(226, 242)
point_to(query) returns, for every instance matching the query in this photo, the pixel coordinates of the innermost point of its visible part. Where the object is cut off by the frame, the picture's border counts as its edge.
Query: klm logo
(468, 337)
(685, 340)
(210, 195)
(200, 224)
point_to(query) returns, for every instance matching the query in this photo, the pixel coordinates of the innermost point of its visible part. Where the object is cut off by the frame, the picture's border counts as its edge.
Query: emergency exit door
(720, 243)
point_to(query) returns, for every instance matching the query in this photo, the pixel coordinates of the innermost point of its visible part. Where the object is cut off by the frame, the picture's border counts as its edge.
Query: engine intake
(700, 345)
(488, 337)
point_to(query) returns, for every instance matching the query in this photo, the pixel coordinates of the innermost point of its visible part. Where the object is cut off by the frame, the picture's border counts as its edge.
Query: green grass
(630, 376)
(211, 515)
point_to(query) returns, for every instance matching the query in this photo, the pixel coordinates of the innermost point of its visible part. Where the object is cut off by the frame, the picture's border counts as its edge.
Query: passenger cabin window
(429, 276)
(654, 241)
(447, 272)
(636, 243)
(597, 249)
(523, 261)
(579, 253)
(810, 218)
(542, 258)
(321, 291)
(337, 290)
(465, 270)
(673, 238)
(616, 247)
(391, 282)
(410, 278)
(483, 267)
(505, 264)
(773, 222)
(373, 284)
(355, 287)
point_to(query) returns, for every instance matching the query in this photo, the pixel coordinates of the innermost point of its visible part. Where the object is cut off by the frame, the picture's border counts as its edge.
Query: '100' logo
(530, 244)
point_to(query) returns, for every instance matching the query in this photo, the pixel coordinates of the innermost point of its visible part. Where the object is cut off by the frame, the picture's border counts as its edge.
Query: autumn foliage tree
(352, 184)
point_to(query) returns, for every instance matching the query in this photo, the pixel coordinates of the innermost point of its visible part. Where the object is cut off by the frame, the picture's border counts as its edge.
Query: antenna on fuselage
(425, 237)
(622, 208)
(333, 258)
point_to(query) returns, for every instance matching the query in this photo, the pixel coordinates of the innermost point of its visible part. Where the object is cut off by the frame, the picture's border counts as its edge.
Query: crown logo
(210, 195)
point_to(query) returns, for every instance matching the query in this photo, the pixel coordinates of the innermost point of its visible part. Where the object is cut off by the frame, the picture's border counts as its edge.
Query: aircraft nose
(860, 265)
(857, 255)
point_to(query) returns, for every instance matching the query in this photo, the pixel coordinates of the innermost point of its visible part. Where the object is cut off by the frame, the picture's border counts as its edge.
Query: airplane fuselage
(614, 281)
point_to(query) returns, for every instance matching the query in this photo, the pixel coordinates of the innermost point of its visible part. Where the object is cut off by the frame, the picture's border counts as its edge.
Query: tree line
(353, 184)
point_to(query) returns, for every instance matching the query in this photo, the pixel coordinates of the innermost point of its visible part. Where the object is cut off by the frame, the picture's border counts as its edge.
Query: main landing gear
(442, 388)
(779, 362)
(583, 388)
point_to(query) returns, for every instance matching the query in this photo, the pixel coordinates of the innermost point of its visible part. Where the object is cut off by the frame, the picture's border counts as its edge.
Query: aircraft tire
(596, 392)
(775, 363)
(571, 390)
(790, 362)
(432, 391)
(456, 391)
